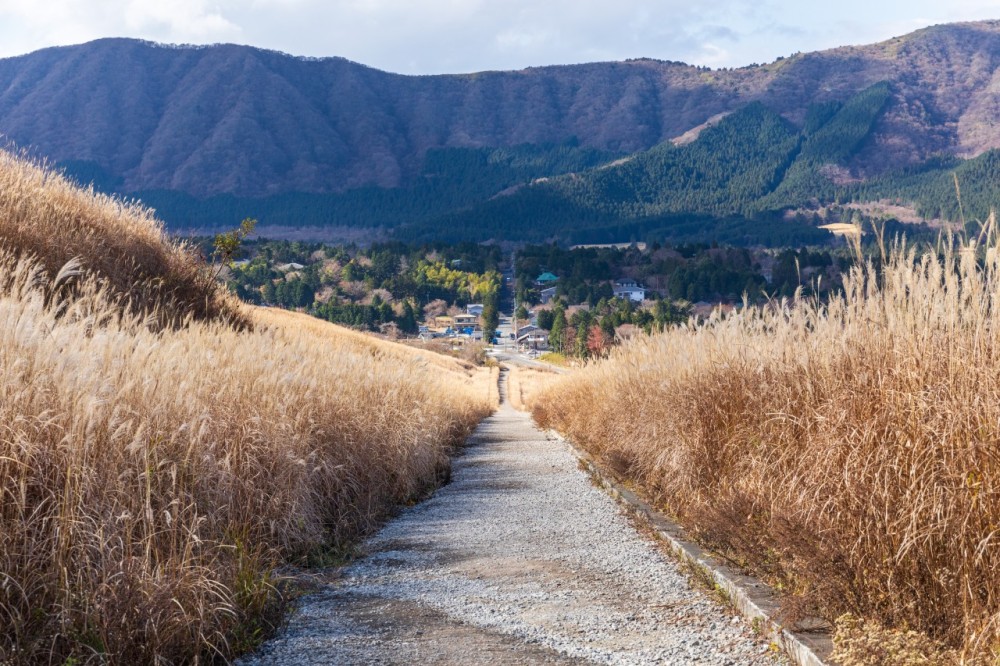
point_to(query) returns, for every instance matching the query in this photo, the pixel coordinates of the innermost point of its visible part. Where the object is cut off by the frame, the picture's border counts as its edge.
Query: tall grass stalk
(44, 215)
(849, 451)
(153, 477)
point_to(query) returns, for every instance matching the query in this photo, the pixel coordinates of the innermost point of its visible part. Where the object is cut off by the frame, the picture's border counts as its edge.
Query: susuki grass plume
(847, 451)
(152, 478)
(45, 216)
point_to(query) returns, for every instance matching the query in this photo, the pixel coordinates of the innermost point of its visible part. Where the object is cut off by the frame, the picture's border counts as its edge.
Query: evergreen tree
(545, 319)
(557, 330)
(267, 293)
(490, 316)
(408, 320)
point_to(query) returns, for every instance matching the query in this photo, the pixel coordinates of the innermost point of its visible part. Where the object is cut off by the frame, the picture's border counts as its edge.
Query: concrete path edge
(753, 599)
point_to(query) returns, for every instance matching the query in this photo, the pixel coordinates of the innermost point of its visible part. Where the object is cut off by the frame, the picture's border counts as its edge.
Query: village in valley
(572, 301)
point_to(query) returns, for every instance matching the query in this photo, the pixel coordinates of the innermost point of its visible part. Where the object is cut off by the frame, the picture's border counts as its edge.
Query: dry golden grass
(45, 216)
(525, 384)
(849, 452)
(151, 479)
(450, 369)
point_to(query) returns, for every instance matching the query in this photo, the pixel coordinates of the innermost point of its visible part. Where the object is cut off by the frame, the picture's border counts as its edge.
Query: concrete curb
(754, 600)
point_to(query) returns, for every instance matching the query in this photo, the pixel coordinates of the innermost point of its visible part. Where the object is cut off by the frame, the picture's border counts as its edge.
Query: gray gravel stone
(520, 560)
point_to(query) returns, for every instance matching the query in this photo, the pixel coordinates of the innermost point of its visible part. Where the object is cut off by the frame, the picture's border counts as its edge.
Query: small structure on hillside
(546, 295)
(629, 289)
(546, 279)
(474, 309)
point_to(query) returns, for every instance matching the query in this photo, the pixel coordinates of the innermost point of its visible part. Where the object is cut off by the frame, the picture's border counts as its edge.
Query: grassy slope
(151, 479)
(44, 215)
(848, 451)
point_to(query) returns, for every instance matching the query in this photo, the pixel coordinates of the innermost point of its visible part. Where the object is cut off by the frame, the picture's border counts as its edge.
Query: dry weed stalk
(525, 384)
(45, 216)
(848, 451)
(151, 478)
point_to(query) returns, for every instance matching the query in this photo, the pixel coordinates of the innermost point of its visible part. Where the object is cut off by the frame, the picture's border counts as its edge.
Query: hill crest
(232, 119)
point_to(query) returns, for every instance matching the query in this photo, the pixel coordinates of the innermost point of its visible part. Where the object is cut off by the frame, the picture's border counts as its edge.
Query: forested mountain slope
(241, 120)
(330, 142)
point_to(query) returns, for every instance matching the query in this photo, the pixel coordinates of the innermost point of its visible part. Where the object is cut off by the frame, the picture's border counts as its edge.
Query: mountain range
(208, 134)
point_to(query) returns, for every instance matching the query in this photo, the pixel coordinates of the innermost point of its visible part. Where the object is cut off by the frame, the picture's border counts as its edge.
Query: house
(545, 279)
(474, 309)
(630, 289)
(547, 294)
(464, 320)
(284, 268)
(536, 339)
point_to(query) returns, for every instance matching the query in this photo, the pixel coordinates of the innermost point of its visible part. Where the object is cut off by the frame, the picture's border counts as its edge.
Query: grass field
(847, 452)
(164, 448)
(524, 384)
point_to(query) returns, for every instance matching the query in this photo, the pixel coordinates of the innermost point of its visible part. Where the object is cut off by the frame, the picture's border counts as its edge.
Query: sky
(457, 36)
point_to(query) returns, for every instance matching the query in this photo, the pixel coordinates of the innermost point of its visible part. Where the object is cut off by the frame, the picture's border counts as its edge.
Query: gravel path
(519, 560)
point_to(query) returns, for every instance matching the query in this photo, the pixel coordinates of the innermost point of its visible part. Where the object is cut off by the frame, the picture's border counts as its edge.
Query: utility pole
(513, 286)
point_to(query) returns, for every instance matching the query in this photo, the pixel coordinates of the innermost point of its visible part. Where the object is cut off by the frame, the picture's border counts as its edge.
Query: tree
(581, 348)
(663, 314)
(786, 272)
(227, 244)
(580, 321)
(556, 341)
(408, 320)
(268, 293)
(598, 342)
(435, 308)
(224, 249)
(352, 272)
(545, 319)
(490, 316)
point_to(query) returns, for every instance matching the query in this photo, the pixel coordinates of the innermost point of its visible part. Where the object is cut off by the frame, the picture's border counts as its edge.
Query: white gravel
(519, 560)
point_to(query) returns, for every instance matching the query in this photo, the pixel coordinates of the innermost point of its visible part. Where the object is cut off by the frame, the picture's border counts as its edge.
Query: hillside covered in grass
(152, 477)
(844, 450)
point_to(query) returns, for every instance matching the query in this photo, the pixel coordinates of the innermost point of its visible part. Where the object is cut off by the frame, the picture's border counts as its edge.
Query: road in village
(519, 560)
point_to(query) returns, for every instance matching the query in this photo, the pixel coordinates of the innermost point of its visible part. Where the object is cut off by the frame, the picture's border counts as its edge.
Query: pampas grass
(49, 218)
(152, 478)
(847, 451)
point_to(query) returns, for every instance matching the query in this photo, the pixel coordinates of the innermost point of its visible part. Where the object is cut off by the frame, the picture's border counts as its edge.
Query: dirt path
(520, 560)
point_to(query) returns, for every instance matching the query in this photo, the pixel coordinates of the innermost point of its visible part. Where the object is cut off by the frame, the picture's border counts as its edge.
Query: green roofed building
(545, 278)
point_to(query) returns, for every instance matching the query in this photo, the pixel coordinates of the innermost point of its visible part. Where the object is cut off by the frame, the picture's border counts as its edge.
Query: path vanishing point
(519, 560)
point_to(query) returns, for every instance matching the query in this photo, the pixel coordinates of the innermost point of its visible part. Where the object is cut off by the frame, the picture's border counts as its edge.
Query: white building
(630, 289)
(536, 339)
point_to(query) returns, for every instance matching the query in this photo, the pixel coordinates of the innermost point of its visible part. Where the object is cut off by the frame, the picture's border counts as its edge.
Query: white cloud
(180, 17)
(25, 26)
(430, 36)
